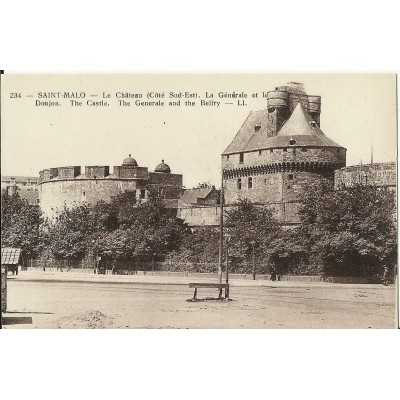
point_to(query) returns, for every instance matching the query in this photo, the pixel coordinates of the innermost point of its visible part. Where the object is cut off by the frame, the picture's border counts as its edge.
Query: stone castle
(278, 152)
(67, 186)
(275, 156)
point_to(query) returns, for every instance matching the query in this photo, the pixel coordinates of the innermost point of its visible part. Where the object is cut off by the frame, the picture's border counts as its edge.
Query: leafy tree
(203, 185)
(20, 225)
(146, 231)
(200, 246)
(351, 230)
(247, 224)
(71, 234)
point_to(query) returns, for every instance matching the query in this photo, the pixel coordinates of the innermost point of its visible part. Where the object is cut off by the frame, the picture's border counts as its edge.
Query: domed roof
(130, 162)
(163, 168)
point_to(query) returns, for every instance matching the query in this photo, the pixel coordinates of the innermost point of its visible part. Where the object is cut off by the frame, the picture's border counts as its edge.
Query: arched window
(250, 182)
(239, 183)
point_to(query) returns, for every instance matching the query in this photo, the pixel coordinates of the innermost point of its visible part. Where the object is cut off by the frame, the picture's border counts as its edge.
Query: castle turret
(315, 108)
(278, 111)
(277, 163)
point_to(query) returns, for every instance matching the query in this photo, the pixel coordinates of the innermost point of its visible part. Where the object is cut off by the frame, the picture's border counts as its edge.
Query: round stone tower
(278, 168)
(67, 187)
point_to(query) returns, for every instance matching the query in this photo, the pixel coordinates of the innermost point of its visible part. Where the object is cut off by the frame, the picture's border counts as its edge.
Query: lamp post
(254, 265)
(96, 255)
(227, 240)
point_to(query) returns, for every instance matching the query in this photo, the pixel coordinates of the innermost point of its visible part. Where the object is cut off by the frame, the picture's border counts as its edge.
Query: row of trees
(349, 232)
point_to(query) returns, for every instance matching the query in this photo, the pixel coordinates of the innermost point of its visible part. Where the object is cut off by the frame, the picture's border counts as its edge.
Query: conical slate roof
(303, 130)
(299, 127)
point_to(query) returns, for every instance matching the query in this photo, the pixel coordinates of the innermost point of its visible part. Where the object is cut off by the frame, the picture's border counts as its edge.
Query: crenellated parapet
(280, 152)
(316, 167)
(67, 186)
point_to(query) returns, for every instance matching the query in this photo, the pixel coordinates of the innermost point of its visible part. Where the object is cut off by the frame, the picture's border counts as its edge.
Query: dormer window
(257, 127)
(292, 142)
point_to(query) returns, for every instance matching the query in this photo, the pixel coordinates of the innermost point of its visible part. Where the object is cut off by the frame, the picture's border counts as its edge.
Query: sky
(358, 112)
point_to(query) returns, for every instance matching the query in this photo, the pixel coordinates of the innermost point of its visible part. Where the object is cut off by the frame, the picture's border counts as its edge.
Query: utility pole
(221, 228)
(254, 265)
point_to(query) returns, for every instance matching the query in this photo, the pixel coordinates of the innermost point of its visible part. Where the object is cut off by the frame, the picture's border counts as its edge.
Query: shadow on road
(16, 320)
(28, 312)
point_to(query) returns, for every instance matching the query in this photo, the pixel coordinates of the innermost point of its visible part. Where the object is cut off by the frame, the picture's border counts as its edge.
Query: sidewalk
(86, 277)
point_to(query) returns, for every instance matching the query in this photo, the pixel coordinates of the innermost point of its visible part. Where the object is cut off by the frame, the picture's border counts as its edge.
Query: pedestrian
(385, 277)
(273, 274)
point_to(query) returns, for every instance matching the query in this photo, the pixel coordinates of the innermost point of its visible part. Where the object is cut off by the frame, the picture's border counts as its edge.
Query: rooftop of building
(299, 127)
(190, 196)
(162, 167)
(19, 179)
(377, 166)
(130, 162)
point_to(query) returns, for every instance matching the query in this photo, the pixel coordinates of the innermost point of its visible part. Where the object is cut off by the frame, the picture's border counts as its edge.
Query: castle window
(290, 177)
(239, 183)
(259, 152)
(285, 149)
(292, 142)
(265, 181)
(304, 149)
(257, 127)
(241, 157)
(227, 157)
(271, 151)
(83, 193)
(250, 182)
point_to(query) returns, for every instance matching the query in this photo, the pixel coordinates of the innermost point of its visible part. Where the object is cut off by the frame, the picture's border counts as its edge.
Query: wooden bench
(219, 286)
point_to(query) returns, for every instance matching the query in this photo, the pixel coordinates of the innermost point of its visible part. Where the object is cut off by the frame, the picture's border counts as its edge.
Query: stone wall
(130, 172)
(159, 178)
(97, 171)
(382, 174)
(200, 216)
(53, 195)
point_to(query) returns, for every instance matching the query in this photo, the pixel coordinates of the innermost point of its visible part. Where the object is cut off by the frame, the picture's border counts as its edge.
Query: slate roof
(246, 132)
(10, 255)
(297, 127)
(190, 196)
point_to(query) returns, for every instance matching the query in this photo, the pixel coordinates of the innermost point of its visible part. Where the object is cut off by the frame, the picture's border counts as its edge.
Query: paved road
(66, 301)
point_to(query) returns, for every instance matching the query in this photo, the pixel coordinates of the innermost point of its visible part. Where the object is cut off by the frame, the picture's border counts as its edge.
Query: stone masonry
(279, 152)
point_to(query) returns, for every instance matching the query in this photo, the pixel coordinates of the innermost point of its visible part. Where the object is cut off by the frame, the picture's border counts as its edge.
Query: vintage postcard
(198, 200)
